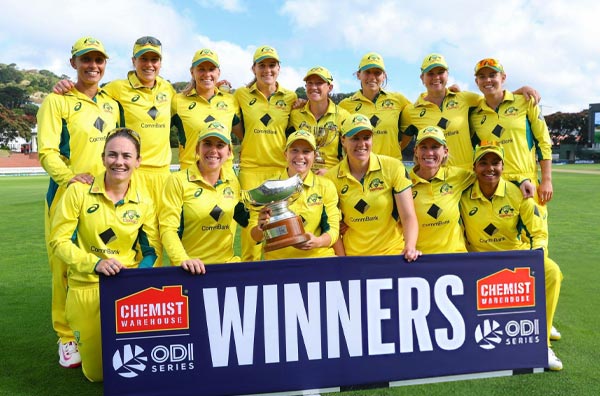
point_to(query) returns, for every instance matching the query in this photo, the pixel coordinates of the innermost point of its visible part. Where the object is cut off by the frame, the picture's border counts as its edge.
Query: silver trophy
(285, 228)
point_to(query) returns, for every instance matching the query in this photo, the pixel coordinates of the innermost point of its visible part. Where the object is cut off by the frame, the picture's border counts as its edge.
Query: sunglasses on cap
(489, 62)
(123, 131)
(148, 40)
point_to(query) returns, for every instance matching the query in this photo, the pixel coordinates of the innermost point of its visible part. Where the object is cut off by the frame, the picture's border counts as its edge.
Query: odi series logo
(152, 309)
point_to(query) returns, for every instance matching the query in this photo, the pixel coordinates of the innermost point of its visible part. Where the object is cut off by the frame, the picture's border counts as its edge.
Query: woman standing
(495, 213)
(200, 203)
(382, 108)
(265, 108)
(317, 204)
(375, 198)
(436, 191)
(109, 218)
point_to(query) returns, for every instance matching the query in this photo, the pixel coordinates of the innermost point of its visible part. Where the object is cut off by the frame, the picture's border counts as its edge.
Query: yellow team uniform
(497, 224)
(192, 112)
(384, 114)
(197, 219)
(452, 117)
(103, 230)
(317, 205)
(329, 125)
(148, 112)
(72, 130)
(261, 158)
(437, 207)
(368, 206)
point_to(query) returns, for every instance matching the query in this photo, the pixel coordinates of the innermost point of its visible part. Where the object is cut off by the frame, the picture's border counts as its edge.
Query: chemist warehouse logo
(506, 289)
(152, 309)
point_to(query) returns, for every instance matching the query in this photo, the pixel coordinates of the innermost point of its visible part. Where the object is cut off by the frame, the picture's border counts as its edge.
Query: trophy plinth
(285, 228)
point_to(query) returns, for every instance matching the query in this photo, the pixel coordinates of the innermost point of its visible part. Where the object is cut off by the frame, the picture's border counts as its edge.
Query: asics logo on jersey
(198, 192)
(192, 105)
(423, 112)
(344, 189)
(77, 106)
(135, 98)
(473, 211)
(252, 101)
(93, 208)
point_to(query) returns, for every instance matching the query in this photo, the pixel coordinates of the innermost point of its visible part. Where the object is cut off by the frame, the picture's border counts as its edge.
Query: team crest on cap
(216, 126)
(206, 51)
(374, 57)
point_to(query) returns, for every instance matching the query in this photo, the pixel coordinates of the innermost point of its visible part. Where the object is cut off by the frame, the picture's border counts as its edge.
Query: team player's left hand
(545, 192)
(85, 178)
(194, 266)
(312, 243)
(411, 254)
(109, 267)
(527, 189)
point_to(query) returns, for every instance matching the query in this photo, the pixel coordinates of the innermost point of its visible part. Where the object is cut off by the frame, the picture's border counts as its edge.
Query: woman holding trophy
(316, 204)
(321, 116)
(375, 198)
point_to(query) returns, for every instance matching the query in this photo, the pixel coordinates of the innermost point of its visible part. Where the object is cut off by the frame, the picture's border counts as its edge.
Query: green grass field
(29, 366)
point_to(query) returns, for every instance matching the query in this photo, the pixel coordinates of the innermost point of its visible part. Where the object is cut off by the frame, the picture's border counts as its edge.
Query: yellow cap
(147, 44)
(205, 55)
(321, 72)
(432, 61)
(431, 132)
(87, 44)
(487, 147)
(355, 124)
(265, 52)
(301, 135)
(216, 129)
(371, 60)
(492, 63)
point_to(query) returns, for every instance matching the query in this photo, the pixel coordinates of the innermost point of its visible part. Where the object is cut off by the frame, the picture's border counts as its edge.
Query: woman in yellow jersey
(72, 130)
(382, 108)
(109, 218)
(317, 204)
(200, 204)
(322, 117)
(495, 214)
(265, 108)
(436, 192)
(375, 198)
(202, 102)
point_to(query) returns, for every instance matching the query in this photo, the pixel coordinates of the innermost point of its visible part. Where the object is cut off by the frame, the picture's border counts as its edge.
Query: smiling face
(430, 154)
(488, 169)
(490, 81)
(266, 71)
(371, 79)
(147, 67)
(435, 80)
(90, 67)
(212, 152)
(358, 147)
(317, 89)
(120, 158)
(206, 75)
(300, 157)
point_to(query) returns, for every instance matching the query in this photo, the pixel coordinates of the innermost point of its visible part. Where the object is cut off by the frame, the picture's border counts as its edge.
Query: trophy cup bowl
(285, 228)
(323, 137)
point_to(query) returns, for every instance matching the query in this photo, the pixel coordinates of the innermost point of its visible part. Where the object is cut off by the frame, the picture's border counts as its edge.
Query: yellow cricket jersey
(368, 206)
(196, 218)
(519, 127)
(437, 207)
(497, 224)
(452, 117)
(102, 229)
(384, 115)
(192, 112)
(317, 205)
(72, 129)
(148, 112)
(265, 121)
(326, 129)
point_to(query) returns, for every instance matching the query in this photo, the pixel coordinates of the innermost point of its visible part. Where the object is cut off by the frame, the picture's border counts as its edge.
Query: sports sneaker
(554, 362)
(68, 354)
(554, 334)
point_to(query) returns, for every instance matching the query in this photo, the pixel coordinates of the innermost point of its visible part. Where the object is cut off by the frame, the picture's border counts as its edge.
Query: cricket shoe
(554, 334)
(68, 354)
(554, 363)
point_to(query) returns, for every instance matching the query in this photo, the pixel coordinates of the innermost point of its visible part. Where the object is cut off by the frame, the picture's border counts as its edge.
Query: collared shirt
(519, 127)
(497, 223)
(148, 112)
(384, 115)
(103, 229)
(193, 112)
(452, 116)
(368, 206)
(196, 218)
(437, 207)
(265, 121)
(326, 129)
(72, 130)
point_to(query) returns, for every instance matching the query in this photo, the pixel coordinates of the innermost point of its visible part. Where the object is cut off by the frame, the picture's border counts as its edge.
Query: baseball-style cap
(371, 60)
(301, 135)
(216, 129)
(265, 52)
(205, 55)
(431, 132)
(487, 147)
(87, 44)
(433, 60)
(147, 44)
(355, 124)
(492, 63)
(321, 72)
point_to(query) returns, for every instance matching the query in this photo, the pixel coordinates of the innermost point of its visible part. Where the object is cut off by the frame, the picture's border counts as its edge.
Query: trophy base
(284, 233)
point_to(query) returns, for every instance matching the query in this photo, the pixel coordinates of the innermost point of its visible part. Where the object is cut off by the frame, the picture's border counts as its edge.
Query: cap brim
(356, 130)
(262, 58)
(314, 147)
(196, 63)
(371, 66)
(434, 66)
(144, 50)
(217, 135)
(440, 141)
(484, 152)
(87, 50)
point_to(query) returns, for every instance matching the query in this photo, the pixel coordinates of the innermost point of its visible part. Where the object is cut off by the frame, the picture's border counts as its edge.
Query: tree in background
(567, 127)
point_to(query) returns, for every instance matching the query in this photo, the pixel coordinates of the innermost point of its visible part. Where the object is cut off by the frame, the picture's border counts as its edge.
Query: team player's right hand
(109, 267)
(193, 266)
(63, 86)
(85, 178)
